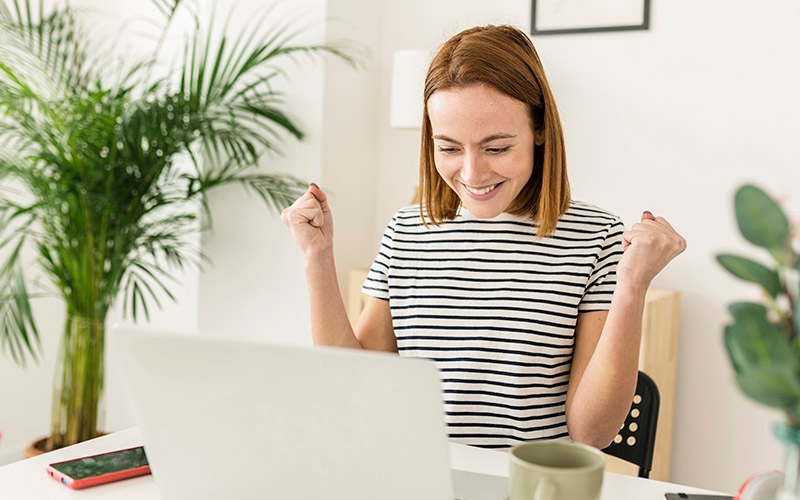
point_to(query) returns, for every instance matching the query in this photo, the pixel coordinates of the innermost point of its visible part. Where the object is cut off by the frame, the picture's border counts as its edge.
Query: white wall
(252, 288)
(256, 286)
(351, 133)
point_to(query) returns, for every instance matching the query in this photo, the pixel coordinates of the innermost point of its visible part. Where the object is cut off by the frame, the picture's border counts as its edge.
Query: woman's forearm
(330, 325)
(605, 391)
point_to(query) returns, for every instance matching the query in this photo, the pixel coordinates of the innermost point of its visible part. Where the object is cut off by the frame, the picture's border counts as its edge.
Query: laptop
(228, 418)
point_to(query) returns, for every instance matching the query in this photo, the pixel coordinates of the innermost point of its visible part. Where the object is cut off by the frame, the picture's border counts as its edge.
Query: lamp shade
(408, 84)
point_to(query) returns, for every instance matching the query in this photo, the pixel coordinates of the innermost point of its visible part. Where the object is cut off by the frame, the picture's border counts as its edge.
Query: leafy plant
(104, 173)
(762, 340)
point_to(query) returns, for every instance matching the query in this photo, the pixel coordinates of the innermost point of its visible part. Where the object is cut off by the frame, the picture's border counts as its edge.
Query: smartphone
(100, 469)
(695, 496)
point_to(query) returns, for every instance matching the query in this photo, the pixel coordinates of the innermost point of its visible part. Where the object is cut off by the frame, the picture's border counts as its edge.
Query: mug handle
(545, 490)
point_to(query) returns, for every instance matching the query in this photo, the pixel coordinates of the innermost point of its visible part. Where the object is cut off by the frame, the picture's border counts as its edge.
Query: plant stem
(77, 397)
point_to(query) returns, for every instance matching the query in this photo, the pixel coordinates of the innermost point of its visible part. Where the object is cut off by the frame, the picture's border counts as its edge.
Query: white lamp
(408, 85)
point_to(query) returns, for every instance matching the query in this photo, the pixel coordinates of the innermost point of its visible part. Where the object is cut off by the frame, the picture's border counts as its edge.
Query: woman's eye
(496, 151)
(446, 150)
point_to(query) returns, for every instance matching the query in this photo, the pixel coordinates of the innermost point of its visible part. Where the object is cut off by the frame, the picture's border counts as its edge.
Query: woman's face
(483, 146)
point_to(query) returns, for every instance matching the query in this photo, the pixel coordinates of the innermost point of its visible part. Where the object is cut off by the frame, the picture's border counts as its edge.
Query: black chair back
(636, 440)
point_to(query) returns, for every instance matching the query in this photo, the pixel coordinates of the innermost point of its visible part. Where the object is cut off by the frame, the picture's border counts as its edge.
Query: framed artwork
(552, 17)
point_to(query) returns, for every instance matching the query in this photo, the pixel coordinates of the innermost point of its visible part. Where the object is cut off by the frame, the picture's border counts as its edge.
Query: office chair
(636, 440)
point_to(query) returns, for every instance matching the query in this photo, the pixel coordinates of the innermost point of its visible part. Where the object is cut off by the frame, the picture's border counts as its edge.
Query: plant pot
(39, 447)
(36, 448)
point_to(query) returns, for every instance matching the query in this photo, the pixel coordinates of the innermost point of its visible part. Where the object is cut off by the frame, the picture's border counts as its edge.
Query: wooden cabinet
(658, 358)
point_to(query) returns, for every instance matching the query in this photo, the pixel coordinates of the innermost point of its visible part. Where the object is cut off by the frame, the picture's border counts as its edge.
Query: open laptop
(239, 419)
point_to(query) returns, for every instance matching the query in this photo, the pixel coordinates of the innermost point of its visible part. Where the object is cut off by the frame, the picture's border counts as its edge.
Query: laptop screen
(227, 418)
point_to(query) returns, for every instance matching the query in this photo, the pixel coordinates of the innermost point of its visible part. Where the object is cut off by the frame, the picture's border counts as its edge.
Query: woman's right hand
(310, 220)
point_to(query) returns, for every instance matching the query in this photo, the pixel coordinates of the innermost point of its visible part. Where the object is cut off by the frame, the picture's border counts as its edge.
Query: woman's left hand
(648, 247)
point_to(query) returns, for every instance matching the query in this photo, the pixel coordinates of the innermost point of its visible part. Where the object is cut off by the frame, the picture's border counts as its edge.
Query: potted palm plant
(106, 172)
(762, 338)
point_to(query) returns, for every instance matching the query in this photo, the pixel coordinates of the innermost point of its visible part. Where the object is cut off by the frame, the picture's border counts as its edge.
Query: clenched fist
(648, 247)
(310, 220)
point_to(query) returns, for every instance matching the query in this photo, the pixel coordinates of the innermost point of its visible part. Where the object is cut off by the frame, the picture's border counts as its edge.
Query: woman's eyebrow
(485, 140)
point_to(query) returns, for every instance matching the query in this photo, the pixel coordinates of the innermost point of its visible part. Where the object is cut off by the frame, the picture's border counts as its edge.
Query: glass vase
(790, 437)
(78, 382)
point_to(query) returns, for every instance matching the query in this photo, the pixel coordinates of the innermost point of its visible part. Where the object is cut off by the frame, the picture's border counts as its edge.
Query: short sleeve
(377, 283)
(603, 279)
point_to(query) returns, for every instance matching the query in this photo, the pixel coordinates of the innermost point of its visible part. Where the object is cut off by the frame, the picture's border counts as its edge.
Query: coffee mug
(555, 470)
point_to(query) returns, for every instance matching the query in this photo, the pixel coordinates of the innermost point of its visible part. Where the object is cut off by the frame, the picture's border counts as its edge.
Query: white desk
(27, 480)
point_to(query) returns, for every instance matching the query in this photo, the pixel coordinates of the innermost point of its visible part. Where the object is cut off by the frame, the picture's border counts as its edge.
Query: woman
(530, 303)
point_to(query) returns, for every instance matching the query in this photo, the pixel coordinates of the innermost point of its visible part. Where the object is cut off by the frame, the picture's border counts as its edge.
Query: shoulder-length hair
(501, 57)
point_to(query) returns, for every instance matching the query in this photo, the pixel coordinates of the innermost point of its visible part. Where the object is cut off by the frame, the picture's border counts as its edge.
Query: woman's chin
(483, 210)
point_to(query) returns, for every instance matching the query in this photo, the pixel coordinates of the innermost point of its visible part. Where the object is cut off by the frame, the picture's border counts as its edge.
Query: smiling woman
(530, 302)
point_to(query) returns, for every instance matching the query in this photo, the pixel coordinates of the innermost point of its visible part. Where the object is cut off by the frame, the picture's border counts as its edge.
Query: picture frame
(554, 17)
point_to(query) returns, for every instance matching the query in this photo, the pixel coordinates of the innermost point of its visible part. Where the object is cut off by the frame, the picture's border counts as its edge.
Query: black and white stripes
(497, 308)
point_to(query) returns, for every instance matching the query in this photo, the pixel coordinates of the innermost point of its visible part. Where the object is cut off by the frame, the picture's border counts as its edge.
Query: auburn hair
(503, 58)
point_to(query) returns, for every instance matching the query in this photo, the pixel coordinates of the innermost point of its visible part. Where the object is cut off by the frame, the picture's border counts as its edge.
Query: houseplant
(105, 165)
(762, 338)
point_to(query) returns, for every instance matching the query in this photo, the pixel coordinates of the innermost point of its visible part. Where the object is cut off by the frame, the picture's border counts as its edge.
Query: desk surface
(27, 479)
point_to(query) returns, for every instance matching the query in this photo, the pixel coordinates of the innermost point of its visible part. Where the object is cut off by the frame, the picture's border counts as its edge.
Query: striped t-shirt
(496, 309)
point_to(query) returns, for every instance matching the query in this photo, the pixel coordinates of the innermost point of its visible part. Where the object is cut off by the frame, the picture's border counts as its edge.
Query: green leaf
(752, 271)
(744, 310)
(18, 333)
(753, 341)
(771, 386)
(760, 219)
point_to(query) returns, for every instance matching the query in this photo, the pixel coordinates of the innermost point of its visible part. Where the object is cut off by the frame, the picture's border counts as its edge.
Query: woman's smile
(481, 192)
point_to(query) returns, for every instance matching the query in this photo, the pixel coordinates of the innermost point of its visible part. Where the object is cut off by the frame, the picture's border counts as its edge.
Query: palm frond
(230, 85)
(54, 38)
(18, 333)
(278, 191)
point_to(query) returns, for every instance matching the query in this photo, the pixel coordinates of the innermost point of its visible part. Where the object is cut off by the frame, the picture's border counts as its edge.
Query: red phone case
(109, 477)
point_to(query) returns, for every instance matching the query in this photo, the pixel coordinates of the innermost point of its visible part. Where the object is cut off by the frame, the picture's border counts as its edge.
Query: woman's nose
(474, 170)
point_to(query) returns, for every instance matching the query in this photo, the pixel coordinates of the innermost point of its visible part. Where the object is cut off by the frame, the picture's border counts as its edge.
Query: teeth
(480, 191)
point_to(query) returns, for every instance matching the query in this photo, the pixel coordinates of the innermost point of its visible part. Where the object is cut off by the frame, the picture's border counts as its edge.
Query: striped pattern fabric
(496, 309)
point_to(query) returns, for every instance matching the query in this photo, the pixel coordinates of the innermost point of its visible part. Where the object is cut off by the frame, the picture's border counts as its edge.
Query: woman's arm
(311, 224)
(374, 329)
(604, 370)
(606, 357)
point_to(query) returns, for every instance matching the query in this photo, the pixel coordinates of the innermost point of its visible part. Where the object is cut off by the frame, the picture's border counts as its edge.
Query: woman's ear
(538, 137)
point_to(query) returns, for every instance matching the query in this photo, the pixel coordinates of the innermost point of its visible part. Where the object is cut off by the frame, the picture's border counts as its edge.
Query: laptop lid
(224, 418)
